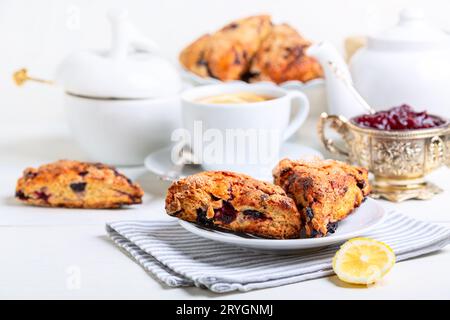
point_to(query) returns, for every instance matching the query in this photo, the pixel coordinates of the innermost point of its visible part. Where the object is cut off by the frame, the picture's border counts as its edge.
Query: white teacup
(243, 137)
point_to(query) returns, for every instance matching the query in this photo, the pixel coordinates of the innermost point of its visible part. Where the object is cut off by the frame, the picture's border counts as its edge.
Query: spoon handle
(21, 76)
(185, 156)
(351, 88)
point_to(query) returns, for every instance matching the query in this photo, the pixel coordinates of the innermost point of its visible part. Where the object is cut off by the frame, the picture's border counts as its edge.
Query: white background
(38, 34)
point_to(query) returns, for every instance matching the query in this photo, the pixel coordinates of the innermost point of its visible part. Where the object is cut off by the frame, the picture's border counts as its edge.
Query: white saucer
(160, 163)
(365, 218)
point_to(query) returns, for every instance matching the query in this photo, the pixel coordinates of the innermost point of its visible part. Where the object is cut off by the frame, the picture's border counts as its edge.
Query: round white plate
(289, 85)
(363, 219)
(159, 162)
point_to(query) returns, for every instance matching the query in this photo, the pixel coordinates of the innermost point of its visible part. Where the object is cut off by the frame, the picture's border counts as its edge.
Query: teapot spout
(341, 95)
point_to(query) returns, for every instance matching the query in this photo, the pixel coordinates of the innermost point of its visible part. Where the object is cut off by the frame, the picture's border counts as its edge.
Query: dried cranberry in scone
(325, 191)
(235, 202)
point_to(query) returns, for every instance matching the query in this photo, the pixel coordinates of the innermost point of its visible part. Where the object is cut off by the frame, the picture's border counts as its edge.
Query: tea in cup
(238, 126)
(234, 98)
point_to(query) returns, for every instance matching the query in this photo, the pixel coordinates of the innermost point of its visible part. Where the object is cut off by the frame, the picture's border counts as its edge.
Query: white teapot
(407, 64)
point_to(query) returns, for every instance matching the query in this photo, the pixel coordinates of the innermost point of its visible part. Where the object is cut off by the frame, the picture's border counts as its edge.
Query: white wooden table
(58, 253)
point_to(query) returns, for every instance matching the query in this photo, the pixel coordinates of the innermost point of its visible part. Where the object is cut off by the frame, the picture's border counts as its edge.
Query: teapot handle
(339, 124)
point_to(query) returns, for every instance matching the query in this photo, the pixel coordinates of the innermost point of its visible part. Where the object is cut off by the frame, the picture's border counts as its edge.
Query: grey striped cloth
(179, 258)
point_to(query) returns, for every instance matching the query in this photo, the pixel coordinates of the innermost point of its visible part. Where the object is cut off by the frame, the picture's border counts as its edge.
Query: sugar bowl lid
(411, 32)
(132, 68)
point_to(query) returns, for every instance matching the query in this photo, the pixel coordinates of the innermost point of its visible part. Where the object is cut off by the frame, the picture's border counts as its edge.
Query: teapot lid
(131, 69)
(411, 32)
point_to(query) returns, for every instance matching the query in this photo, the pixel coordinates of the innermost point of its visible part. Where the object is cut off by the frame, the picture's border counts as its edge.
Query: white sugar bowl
(121, 103)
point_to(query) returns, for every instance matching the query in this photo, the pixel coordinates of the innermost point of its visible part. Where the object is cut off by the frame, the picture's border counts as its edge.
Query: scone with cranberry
(282, 57)
(235, 202)
(193, 57)
(75, 184)
(325, 191)
(226, 54)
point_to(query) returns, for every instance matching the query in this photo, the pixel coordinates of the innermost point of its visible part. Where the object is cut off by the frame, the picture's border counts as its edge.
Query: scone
(226, 54)
(325, 191)
(74, 184)
(282, 57)
(235, 202)
(193, 57)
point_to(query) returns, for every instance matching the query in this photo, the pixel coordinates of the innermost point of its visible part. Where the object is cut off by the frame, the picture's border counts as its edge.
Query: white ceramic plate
(289, 85)
(160, 164)
(365, 218)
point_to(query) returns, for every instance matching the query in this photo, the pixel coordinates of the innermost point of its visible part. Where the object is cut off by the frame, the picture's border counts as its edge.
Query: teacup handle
(339, 124)
(302, 103)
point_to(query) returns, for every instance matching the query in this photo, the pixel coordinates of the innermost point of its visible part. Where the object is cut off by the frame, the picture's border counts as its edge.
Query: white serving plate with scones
(369, 215)
(197, 80)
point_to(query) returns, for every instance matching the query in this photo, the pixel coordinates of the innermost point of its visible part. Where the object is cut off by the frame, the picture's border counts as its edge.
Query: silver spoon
(340, 75)
(185, 156)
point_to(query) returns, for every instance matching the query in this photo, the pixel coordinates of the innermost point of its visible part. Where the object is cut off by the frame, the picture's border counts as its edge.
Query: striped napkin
(178, 258)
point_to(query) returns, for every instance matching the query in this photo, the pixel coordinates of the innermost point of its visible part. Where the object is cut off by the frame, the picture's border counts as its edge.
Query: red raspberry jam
(398, 118)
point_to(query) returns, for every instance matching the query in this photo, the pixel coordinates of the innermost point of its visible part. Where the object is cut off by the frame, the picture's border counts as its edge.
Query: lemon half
(363, 261)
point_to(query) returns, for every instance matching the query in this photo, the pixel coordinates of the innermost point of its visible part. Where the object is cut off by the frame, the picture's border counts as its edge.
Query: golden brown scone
(193, 56)
(74, 184)
(325, 191)
(235, 202)
(227, 53)
(250, 31)
(233, 47)
(226, 59)
(281, 58)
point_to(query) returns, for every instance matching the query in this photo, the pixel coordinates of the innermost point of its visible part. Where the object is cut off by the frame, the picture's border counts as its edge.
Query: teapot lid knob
(119, 41)
(126, 35)
(412, 32)
(116, 14)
